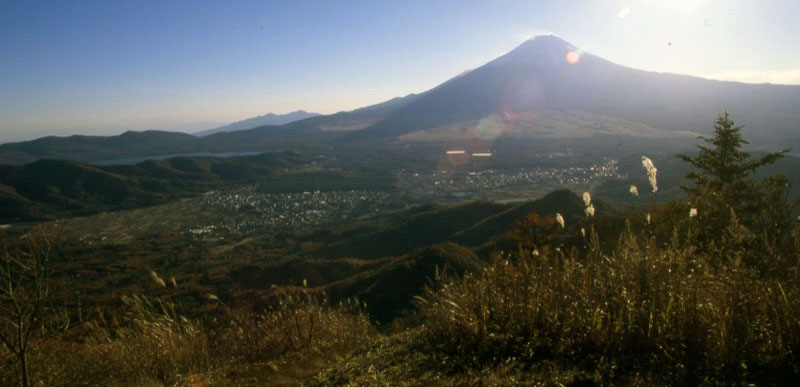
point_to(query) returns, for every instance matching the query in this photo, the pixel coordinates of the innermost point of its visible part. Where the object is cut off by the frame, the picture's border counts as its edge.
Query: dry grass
(300, 322)
(157, 346)
(636, 311)
(646, 308)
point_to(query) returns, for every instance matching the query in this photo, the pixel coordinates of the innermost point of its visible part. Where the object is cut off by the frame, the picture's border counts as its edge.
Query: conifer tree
(724, 189)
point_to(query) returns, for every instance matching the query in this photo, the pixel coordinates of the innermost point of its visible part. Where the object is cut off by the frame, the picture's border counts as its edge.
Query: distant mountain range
(266, 119)
(545, 88)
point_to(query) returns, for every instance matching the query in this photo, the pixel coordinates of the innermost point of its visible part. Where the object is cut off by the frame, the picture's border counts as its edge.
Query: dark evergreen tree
(724, 192)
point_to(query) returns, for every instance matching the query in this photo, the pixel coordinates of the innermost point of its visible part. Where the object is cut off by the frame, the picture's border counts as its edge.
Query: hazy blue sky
(108, 66)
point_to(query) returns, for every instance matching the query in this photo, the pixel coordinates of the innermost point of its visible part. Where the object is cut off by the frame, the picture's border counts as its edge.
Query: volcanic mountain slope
(548, 87)
(545, 88)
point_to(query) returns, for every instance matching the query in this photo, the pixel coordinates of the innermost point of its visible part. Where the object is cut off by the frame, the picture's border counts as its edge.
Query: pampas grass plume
(647, 163)
(590, 210)
(158, 280)
(651, 172)
(651, 175)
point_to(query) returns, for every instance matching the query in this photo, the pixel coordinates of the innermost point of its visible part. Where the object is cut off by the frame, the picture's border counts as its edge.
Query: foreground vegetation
(155, 345)
(664, 314)
(639, 310)
(699, 292)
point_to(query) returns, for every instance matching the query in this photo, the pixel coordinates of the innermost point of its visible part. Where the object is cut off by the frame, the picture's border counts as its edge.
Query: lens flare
(456, 159)
(573, 57)
(495, 125)
(624, 12)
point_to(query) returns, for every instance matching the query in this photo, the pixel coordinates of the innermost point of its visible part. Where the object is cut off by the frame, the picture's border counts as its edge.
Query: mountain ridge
(548, 73)
(50, 188)
(510, 96)
(262, 120)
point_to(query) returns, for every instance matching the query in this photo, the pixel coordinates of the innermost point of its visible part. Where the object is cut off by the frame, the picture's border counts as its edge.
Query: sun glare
(573, 57)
